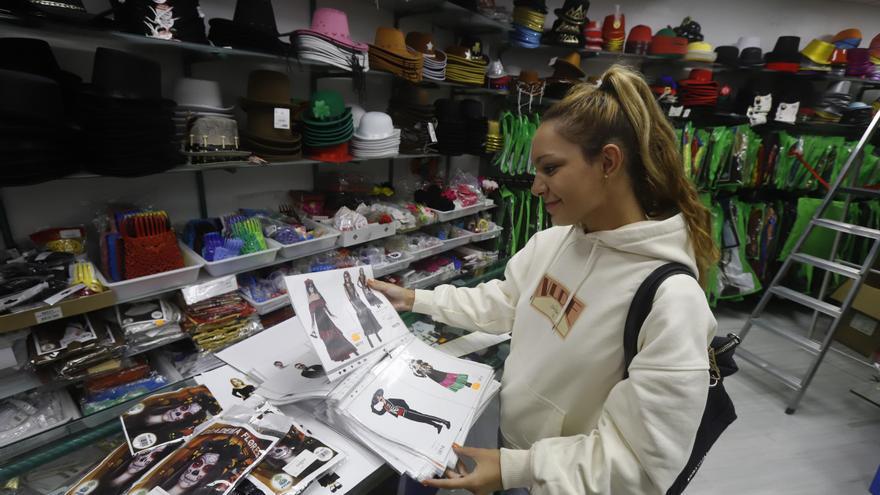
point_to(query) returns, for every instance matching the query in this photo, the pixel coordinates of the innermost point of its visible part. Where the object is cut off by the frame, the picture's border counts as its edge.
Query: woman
(368, 322)
(241, 389)
(610, 175)
(368, 292)
(451, 381)
(338, 347)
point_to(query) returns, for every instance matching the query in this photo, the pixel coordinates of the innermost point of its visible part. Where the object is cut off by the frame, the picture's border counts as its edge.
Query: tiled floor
(831, 445)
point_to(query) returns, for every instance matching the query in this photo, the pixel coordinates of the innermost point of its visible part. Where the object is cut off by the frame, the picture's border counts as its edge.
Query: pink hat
(332, 25)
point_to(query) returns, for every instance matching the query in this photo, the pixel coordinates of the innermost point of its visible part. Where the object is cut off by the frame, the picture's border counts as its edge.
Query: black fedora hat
(727, 55)
(786, 50)
(121, 75)
(169, 19)
(751, 57)
(37, 99)
(252, 28)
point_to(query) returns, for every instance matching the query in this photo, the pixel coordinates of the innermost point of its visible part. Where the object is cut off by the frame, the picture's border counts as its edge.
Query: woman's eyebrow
(545, 155)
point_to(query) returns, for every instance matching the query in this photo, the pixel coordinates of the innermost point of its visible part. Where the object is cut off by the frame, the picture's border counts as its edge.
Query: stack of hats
(451, 130)
(838, 62)
(252, 28)
(127, 123)
(689, 29)
(874, 48)
(529, 84)
(375, 137)
(36, 139)
(566, 73)
(639, 40)
(750, 54)
(179, 20)
(434, 66)
(668, 45)
(389, 53)
(857, 113)
(205, 128)
(699, 90)
(476, 126)
(858, 63)
(328, 127)
(464, 66)
(848, 38)
(494, 139)
(569, 24)
(700, 51)
(614, 32)
(729, 55)
(835, 101)
(817, 56)
(785, 56)
(269, 131)
(496, 76)
(528, 23)
(412, 111)
(593, 36)
(328, 41)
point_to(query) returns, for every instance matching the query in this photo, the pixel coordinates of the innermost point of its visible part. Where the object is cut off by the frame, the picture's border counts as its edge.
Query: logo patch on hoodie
(549, 299)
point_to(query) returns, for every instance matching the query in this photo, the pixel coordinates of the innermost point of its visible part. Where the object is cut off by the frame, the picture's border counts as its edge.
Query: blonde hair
(621, 109)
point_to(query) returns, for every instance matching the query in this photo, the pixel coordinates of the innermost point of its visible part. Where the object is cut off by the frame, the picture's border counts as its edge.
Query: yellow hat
(818, 51)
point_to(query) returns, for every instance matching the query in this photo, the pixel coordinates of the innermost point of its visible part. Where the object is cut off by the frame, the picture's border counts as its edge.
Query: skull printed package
(118, 471)
(166, 418)
(210, 462)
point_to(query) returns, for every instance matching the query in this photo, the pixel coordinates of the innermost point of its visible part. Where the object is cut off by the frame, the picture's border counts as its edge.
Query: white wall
(77, 201)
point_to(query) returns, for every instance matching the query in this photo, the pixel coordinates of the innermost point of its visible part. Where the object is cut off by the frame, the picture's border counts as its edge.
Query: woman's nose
(538, 187)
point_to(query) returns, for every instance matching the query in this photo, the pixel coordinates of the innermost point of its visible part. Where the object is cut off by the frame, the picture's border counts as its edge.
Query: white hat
(748, 42)
(375, 126)
(199, 94)
(357, 112)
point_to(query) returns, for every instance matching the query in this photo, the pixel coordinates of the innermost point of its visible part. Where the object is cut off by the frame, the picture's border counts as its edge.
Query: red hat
(333, 154)
(668, 45)
(792, 67)
(614, 29)
(640, 33)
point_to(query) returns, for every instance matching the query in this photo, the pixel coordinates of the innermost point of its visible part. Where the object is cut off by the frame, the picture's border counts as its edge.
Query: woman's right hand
(402, 299)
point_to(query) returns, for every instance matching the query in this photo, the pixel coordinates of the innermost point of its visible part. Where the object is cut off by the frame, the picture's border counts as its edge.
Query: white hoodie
(569, 422)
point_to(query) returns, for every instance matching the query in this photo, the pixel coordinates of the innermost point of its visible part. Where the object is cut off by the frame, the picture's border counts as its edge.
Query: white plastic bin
(128, 290)
(369, 233)
(239, 263)
(313, 246)
(446, 216)
(268, 306)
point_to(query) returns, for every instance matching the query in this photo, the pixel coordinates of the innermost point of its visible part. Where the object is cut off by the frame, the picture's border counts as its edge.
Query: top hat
(573, 11)
(568, 67)
(199, 94)
(267, 88)
(727, 55)
(785, 50)
(818, 51)
(332, 25)
(121, 75)
(751, 57)
(252, 28)
(748, 42)
(37, 99)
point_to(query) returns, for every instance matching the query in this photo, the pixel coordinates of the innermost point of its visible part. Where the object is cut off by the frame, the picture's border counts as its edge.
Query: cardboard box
(67, 307)
(860, 327)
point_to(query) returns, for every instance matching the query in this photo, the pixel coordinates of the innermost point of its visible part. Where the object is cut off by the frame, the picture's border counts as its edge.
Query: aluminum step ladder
(833, 265)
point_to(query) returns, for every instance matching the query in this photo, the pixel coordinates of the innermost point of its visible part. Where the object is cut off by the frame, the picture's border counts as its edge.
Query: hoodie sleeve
(488, 307)
(649, 421)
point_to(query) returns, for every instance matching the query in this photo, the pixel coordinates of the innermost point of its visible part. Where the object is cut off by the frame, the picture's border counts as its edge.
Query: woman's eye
(549, 170)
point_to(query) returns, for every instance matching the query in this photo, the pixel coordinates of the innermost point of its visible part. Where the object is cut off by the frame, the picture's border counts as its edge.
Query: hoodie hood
(666, 240)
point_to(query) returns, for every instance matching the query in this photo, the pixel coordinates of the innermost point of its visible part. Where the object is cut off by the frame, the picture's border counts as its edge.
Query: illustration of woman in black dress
(451, 381)
(368, 292)
(400, 409)
(241, 389)
(338, 347)
(368, 322)
(313, 371)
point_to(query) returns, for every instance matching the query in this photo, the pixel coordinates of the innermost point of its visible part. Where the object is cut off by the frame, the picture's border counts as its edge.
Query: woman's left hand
(483, 480)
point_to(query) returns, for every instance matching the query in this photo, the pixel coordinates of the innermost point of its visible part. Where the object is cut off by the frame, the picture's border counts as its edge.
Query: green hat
(325, 107)
(667, 31)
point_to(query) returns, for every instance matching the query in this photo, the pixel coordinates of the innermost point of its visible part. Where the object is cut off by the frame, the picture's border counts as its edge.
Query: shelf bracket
(200, 190)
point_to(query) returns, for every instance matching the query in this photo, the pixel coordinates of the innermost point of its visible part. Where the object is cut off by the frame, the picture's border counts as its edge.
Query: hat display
(848, 38)
(200, 95)
(639, 40)
(35, 56)
(528, 23)
(179, 20)
(568, 27)
(389, 53)
(727, 55)
(204, 126)
(566, 73)
(751, 57)
(689, 29)
(376, 137)
(593, 36)
(461, 126)
(698, 90)
(834, 102)
(818, 52)
(412, 111)
(614, 32)
(269, 132)
(252, 28)
(700, 51)
(328, 41)
(434, 66)
(858, 62)
(328, 124)
(666, 44)
(496, 76)
(128, 126)
(748, 42)
(465, 67)
(785, 56)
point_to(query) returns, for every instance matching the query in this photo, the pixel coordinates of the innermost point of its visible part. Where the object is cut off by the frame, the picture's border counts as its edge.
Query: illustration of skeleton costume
(368, 292)
(119, 470)
(338, 347)
(241, 389)
(205, 471)
(313, 371)
(287, 449)
(161, 25)
(400, 409)
(330, 480)
(173, 420)
(451, 381)
(368, 322)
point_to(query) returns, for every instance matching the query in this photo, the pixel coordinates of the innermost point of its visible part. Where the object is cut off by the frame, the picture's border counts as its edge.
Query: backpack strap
(641, 305)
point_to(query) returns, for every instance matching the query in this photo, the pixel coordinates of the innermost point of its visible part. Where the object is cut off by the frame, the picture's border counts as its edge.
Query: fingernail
(456, 445)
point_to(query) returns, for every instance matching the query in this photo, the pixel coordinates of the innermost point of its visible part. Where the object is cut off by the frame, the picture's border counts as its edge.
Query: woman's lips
(550, 205)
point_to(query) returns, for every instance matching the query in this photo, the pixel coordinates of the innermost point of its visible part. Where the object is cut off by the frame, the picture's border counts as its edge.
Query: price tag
(207, 290)
(763, 103)
(50, 314)
(431, 133)
(686, 113)
(757, 119)
(675, 111)
(300, 463)
(282, 118)
(552, 62)
(787, 112)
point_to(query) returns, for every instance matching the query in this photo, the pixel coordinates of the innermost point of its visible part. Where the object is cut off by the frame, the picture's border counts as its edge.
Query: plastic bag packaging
(467, 189)
(31, 412)
(61, 240)
(346, 219)
(262, 287)
(219, 321)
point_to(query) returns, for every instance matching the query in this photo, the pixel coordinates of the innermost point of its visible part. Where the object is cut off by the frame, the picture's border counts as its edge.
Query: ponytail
(621, 109)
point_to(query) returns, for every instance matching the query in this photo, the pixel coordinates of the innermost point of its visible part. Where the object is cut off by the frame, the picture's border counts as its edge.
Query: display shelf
(447, 15)
(433, 279)
(67, 307)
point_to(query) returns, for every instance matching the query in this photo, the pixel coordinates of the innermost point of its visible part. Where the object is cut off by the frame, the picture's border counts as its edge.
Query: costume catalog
(398, 408)
(452, 381)
(372, 300)
(368, 322)
(338, 347)
(570, 424)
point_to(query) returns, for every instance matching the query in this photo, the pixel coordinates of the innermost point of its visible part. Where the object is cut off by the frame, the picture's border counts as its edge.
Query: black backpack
(719, 412)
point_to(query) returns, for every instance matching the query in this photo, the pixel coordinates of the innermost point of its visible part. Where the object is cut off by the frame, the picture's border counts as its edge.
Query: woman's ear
(612, 159)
